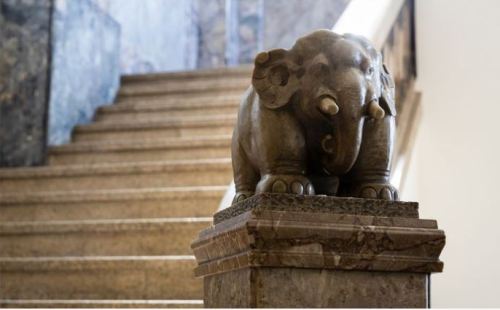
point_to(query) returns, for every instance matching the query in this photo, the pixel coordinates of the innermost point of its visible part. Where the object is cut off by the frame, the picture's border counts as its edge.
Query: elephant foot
(284, 183)
(242, 195)
(377, 191)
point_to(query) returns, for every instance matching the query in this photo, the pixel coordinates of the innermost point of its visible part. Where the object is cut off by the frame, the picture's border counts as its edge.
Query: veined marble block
(280, 250)
(24, 80)
(85, 65)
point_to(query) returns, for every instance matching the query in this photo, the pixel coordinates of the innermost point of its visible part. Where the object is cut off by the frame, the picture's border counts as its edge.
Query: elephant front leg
(369, 177)
(281, 148)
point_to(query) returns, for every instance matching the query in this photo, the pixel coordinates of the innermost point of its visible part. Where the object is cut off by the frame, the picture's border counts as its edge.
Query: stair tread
(179, 87)
(155, 123)
(112, 194)
(91, 262)
(172, 103)
(113, 168)
(101, 303)
(143, 144)
(106, 225)
(203, 73)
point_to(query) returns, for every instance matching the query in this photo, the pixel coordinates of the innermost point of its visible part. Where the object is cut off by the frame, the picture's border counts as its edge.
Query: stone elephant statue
(318, 119)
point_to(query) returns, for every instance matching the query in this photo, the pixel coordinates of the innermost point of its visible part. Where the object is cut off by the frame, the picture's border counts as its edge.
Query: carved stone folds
(282, 250)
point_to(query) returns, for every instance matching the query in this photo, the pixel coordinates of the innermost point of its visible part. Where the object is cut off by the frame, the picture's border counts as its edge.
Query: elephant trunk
(342, 146)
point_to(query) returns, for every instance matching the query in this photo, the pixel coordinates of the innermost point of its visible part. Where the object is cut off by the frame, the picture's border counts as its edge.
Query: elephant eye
(370, 70)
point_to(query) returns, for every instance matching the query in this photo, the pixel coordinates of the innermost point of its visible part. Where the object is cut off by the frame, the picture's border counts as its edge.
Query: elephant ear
(273, 79)
(387, 97)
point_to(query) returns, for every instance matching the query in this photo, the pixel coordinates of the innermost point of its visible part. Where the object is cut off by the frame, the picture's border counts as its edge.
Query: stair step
(159, 236)
(159, 87)
(189, 75)
(155, 128)
(137, 110)
(180, 97)
(214, 171)
(172, 103)
(100, 277)
(193, 201)
(141, 150)
(95, 303)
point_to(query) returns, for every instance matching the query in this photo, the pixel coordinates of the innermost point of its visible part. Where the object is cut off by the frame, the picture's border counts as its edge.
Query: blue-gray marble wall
(24, 80)
(286, 20)
(94, 41)
(156, 35)
(85, 65)
(255, 25)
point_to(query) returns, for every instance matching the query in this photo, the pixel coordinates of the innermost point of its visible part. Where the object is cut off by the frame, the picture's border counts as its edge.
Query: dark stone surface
(24, 80)
(321, 204)
(280, 250)
(86, 65)
(318, 288)
(299, 132)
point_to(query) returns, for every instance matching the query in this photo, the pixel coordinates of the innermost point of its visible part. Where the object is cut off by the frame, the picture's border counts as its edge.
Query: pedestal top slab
(292, 231)
(320, 204)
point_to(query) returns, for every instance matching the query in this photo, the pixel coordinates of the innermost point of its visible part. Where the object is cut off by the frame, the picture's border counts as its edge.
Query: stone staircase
(109, 222)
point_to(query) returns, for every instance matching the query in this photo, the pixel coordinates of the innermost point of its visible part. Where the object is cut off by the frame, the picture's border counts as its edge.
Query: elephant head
(331, 83)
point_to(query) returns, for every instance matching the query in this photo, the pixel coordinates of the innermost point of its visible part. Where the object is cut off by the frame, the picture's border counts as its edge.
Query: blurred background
(61, 60)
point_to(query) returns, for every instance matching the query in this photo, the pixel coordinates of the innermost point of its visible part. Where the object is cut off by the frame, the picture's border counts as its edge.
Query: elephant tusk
(375, 110)
(329, 106)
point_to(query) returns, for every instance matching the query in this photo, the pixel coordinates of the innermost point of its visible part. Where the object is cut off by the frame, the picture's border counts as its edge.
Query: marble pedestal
(280, 250)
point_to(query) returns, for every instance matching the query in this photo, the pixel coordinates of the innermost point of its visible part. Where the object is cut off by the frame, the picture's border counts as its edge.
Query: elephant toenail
(369, 192)
(385, 193)
(297, 188)
(396, 195)
(279, 187)
(309, 189)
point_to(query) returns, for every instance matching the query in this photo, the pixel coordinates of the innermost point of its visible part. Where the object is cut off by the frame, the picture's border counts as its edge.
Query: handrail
(372, 19)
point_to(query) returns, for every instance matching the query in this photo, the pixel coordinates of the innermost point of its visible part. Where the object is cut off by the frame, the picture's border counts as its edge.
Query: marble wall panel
(287, 20)
(85, 70)
(245, 26)
(156, 35)
(210, 19)
(24, 80)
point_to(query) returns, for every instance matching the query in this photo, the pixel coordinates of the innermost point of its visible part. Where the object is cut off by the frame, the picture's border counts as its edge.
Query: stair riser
(208, 99)
(153, 134)
(173, 281)
(207, 86)
(140, 155)
(130, 209)
(166, 239)
(89, 304)
(142, 93)
(145, 114)
(201, 75)
(139, 180)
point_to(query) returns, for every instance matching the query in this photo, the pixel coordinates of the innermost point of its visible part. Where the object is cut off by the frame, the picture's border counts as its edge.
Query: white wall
(456, 173)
